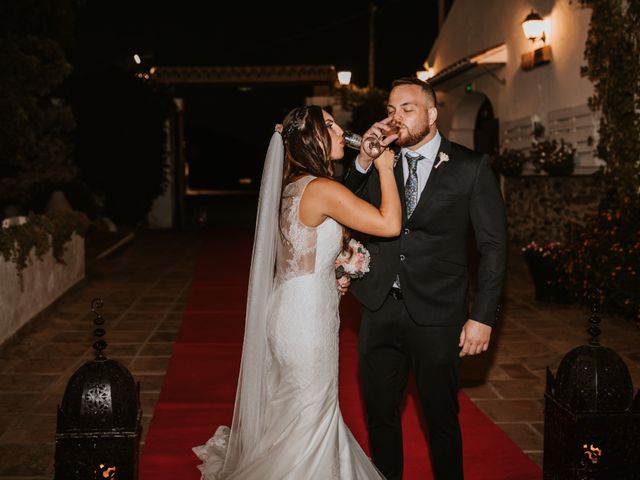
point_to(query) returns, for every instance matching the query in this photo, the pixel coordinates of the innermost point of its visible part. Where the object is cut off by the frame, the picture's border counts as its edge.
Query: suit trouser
(390, 343)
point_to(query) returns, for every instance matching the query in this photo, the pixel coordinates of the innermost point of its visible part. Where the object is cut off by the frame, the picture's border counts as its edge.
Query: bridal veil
(241, 441)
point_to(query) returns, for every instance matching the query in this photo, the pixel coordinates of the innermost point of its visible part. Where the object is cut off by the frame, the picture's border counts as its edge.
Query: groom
(415, 312)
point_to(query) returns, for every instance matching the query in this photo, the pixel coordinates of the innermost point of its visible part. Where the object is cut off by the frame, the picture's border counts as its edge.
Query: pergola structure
(171, 210)
(321, 75)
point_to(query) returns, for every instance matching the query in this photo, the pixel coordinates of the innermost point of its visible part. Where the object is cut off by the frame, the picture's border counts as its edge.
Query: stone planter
(44, 281)
(560, 170)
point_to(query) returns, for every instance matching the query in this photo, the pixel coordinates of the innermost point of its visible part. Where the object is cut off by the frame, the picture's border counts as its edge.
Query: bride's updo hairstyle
(307, 144)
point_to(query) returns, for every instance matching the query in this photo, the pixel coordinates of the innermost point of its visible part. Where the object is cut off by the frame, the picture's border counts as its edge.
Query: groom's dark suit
(419, 326)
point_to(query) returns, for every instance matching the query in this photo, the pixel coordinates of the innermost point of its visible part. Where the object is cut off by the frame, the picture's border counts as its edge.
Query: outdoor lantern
(425, 74)
(344, 77)
(98, 429)
(533, 26)
(534, 29)
(591, 419)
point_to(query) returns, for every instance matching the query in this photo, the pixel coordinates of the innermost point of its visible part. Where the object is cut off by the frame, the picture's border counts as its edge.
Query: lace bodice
(297, 246)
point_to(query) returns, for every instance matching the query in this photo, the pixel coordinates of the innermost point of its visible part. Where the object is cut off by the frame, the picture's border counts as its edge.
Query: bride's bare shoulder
(324, 185)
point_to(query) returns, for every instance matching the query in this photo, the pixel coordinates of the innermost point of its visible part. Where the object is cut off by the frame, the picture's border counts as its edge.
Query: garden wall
(44, 281)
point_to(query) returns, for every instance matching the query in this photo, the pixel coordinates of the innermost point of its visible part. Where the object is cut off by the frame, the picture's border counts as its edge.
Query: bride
(287, 422)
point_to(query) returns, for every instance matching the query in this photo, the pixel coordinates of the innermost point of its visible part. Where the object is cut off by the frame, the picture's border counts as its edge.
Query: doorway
(474, 124)
(486, 135)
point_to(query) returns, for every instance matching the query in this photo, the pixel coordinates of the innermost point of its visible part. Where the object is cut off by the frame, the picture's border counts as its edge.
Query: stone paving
(145, 288)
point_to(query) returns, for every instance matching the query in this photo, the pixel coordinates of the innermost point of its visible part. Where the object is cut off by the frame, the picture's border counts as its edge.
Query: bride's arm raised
(327, 198)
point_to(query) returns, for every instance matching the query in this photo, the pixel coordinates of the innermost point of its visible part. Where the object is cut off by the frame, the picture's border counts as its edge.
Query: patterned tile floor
(145, 288)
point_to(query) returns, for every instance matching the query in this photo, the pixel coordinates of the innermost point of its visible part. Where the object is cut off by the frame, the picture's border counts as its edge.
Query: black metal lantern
(98, 429)
(591, 421)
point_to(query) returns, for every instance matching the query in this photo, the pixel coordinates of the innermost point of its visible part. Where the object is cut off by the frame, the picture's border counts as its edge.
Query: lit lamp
(423, 75)
(344, 78)
(591, 416)
(533, 27)
(99, 420)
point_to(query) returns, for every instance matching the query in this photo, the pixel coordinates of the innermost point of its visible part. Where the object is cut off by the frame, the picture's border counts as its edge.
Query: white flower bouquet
(353, 263)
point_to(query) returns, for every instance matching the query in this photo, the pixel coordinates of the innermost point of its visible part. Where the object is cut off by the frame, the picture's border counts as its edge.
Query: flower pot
(514, 171)
(545, 279)
(559, 170)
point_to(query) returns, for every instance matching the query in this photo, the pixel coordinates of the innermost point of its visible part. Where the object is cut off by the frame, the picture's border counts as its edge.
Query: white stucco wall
(473, 26)
(162, 213)
(44, 281)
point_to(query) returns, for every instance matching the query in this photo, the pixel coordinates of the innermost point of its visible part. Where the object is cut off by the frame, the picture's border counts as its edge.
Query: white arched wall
(463, 122)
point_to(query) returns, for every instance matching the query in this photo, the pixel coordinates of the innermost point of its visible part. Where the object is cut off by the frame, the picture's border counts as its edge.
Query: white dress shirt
(429, 151)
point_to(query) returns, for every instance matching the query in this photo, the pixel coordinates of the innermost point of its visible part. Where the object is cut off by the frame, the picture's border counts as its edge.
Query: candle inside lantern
(592, 453)
(108, 472)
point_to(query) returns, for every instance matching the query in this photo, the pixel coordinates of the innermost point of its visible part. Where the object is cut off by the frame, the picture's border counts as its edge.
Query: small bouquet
(353, 263)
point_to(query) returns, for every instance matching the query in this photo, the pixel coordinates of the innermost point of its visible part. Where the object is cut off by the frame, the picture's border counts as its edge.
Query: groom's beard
(414, 136)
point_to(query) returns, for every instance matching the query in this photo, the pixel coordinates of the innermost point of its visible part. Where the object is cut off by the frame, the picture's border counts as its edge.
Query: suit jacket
(430, 255)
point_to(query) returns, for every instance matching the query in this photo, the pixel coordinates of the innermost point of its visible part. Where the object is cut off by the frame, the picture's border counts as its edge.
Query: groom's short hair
(424, 85)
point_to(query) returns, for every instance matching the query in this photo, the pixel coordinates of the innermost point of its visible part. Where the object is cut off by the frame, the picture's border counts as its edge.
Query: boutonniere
(442, 158)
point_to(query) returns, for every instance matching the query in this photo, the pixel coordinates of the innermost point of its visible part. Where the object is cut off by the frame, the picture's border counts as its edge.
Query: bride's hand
(343, 283)
(386, 160)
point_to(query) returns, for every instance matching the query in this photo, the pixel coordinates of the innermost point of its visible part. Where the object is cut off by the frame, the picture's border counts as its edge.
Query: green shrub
(604, 257)
(121, 141)
(509, 162)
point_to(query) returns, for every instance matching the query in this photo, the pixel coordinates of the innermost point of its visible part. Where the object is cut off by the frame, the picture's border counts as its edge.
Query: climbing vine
(612, 52)
(40, 234)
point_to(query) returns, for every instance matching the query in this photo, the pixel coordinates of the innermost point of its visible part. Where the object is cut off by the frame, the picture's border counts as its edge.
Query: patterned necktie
(411, 187)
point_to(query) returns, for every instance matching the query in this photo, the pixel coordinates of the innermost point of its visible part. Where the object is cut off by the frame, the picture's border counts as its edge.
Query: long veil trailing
(228, 447)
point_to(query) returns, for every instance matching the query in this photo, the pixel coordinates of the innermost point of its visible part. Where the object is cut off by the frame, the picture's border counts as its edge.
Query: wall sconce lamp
(533, 27)
(344, 78)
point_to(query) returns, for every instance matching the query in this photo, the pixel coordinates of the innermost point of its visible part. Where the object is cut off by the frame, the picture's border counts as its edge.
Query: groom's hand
(474, 338)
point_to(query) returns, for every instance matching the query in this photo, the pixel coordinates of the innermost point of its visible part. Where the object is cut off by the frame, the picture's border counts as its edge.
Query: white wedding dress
(304, 436)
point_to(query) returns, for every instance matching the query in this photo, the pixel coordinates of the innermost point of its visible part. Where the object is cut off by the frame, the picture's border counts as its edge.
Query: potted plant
(509, 162)
(553, 157)
(543, 260)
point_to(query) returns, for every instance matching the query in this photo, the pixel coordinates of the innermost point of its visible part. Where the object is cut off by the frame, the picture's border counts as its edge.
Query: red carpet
(199, 387)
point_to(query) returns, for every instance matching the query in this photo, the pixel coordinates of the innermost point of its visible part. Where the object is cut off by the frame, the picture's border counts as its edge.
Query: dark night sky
(218, 119)
(207, 33)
